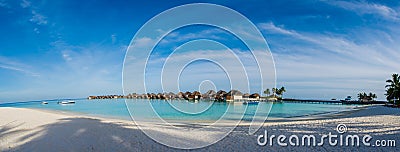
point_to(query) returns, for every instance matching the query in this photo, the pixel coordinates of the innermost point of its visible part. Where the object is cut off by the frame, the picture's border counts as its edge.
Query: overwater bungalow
(196, 95)
(246, 95)
(254, 96)
(209, 95)
(170, 95)
(220, 96)
(234, 95)
(180, 95)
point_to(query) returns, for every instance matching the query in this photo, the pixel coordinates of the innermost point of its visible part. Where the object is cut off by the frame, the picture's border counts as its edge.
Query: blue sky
(322, 49)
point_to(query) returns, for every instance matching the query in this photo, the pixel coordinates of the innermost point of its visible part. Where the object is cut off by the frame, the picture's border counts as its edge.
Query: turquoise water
(184, 110)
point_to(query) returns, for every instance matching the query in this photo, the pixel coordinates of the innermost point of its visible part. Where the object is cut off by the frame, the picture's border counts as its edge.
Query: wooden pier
(332, 101)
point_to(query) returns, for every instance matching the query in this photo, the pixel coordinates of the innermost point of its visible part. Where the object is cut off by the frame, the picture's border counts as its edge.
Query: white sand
(35, 130)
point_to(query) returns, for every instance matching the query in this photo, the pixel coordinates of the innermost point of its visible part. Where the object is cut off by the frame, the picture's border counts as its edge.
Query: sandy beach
(36, 130)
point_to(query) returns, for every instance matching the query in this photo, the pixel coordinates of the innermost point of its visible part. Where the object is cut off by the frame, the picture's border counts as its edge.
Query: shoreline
(23, 129)
(313, 116)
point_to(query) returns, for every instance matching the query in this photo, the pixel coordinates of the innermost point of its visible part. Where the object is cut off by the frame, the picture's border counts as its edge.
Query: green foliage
(366, 97)
(393, 87)
(278, 93)
(267, 92)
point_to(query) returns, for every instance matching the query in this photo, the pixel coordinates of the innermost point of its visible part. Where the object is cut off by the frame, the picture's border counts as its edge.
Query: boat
(251, 102)
(67, 102)
(44, 102)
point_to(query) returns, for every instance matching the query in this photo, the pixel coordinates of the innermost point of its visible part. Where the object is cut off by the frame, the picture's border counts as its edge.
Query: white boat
(44, 102)
(67, 102)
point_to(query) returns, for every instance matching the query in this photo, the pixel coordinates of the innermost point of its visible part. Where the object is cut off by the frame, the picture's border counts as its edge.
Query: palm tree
(373, 96)
(393, 87)
(364, 97)
(266, 92)
(360, 96)
(281, 91)
(274, 91)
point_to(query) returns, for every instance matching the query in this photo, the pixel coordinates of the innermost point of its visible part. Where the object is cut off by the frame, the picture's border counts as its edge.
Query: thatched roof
(221, 92)
(210, 92)
(254, 95)
(196, 93)
(235, 92)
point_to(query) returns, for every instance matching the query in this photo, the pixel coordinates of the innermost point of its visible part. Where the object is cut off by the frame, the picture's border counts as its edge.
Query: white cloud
(368, 8)
(176, 36)
(270, 26)
(200, 70)
(9, 64)
(334, 61)
(143, 42)
(96, 67)
(66, 71)
(341, 46)
(25, 4)
(36, 30)
(38, 18)
(113, 38)
(66, 55)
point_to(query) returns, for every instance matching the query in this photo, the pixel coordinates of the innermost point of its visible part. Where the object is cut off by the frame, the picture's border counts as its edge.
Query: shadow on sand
(87, 134)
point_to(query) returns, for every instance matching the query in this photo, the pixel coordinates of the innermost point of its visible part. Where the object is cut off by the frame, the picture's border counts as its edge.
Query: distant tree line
(366, 97)
(276, 93)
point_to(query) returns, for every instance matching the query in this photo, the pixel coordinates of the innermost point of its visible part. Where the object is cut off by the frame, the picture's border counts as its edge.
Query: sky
(73, 49)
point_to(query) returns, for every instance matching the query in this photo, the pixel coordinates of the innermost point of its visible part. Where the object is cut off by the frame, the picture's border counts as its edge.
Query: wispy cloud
(8, 64)
(272, 28)
(38, 18)
(74, 71)
(113, 38)
(176, 36)
(36, 30)
(25, 3)
(66, 55)
(325, 58)
(363, 7)
(239, 65)
(328, 47)
(366, 51)
(4, 4)
(143, 42)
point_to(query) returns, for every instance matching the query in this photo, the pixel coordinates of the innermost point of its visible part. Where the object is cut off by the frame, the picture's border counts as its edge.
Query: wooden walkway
(332, 101)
